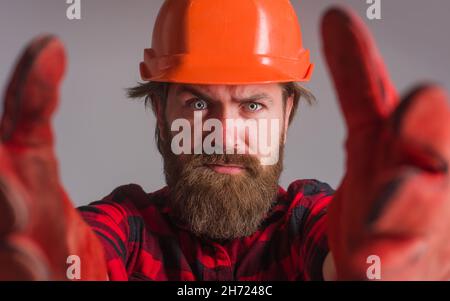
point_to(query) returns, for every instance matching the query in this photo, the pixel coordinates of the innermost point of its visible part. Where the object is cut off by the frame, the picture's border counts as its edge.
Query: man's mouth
(229, 169)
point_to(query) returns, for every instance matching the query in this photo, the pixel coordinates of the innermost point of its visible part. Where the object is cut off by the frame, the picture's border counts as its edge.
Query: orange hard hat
(226, 42)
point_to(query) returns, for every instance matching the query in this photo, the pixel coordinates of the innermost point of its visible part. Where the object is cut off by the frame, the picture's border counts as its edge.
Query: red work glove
(39, 227)
(394, 201)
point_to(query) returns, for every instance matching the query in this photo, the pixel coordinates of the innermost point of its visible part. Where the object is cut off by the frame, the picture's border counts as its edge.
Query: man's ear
(158, 110)
(287, 115)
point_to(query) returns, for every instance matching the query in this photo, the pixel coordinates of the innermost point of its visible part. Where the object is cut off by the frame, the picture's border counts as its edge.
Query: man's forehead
(234, 91)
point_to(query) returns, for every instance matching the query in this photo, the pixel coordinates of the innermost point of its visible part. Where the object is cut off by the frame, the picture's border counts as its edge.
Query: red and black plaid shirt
(143, 242)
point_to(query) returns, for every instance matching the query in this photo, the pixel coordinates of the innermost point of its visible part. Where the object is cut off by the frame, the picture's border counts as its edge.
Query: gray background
(104, 140)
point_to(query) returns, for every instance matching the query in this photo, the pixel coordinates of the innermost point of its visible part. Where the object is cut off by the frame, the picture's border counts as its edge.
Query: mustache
(249, 162)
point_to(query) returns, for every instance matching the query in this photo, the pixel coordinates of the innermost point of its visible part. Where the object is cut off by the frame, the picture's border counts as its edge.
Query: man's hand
(394, 201)
(39, 228)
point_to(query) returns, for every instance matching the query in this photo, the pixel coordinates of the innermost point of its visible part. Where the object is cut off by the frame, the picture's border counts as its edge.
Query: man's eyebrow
(199, 94)
(256, 97)
(193, 91)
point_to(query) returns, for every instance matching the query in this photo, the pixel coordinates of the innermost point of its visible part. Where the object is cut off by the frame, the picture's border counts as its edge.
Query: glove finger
(365, 91)
(410, 205)
(14, 212)
(21, 259)
(32, 94)
(408, 231)
(422, 123)
(421, 129)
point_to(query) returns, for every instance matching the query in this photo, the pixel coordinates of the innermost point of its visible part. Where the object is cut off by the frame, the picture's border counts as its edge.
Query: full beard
(220, 206)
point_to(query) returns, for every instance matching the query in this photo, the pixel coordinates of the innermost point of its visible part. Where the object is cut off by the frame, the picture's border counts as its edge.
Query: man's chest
(169, 258)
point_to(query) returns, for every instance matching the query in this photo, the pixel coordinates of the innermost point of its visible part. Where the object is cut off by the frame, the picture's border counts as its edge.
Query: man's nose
(230, 133)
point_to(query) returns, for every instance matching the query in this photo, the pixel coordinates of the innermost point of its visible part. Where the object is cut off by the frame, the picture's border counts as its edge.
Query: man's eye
(198, 104)
(253, 106)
